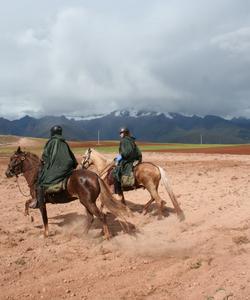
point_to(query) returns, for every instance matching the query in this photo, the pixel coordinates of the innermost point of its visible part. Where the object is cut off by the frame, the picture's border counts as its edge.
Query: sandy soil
(204, 257)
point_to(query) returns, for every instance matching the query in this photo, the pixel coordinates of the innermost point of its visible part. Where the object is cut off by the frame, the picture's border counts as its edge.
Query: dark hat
(56, 130)
(124, 130)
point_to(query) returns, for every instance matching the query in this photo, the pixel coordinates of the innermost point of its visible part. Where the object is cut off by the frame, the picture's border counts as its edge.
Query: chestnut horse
(82, 184)
(147, 175)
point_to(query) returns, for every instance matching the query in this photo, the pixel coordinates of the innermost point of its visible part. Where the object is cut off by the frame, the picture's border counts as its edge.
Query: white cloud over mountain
(79, 58)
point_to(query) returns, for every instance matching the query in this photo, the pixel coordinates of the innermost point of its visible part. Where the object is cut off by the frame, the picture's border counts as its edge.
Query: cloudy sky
(87, 57)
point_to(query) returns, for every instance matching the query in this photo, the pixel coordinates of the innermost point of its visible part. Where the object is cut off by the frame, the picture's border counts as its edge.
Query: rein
(20, 190)
(21, 168)
(106, 168)
(86, 162)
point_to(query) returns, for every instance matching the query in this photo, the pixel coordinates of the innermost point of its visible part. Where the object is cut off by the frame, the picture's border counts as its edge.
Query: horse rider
(128, 154)
(57, 163)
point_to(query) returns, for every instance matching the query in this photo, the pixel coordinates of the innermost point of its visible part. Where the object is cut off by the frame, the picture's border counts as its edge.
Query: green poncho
(59, 161)
(130, 153)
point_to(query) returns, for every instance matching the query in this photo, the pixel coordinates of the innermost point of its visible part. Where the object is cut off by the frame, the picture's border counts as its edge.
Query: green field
(8, 144)
(151, 147)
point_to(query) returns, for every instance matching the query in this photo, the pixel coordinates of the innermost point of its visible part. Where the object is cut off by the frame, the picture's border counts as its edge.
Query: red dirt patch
(242, 150)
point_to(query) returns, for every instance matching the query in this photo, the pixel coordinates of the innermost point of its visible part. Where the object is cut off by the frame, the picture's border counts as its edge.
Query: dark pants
(118, 187)
(40, 196)
(117, 179)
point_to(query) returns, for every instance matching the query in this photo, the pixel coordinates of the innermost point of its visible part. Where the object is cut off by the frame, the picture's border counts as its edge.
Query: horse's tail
(178, 210)
(117, 208)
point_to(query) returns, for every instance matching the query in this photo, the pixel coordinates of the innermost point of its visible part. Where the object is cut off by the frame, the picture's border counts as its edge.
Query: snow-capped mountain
(122, 113)
(85, 118)
(144, 125)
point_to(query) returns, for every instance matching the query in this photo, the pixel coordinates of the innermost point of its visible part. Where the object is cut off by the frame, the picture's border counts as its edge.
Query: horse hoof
(181, 216)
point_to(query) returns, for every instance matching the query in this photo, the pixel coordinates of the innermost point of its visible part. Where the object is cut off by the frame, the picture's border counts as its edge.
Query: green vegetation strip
(6, 150)
(152, 147)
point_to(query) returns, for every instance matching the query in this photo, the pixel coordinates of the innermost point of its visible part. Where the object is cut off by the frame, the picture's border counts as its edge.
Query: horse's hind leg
(105, 228)
(93, 209)
(146, 206)
(159, 203)
(152, 188)
(90, 219)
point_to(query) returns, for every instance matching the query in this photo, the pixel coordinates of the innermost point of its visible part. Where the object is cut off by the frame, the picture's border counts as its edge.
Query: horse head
(87, 161)
(15, 166)
(21, 162)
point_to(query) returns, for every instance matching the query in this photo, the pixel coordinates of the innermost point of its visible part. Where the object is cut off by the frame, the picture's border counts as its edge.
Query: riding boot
(39, 200)
(118, 187)
(118, 191)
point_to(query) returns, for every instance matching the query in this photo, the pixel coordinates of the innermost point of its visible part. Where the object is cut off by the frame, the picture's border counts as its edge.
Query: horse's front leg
(43, 211)
(110, 186)
(28, 202)
(26, 207)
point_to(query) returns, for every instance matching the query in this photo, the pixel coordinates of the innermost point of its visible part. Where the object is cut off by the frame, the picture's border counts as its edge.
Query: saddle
(58, 187)
(57, 193)
(127, 181)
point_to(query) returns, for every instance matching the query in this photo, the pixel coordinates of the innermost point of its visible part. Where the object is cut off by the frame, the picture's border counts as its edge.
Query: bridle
(16, 168)
(86, 163)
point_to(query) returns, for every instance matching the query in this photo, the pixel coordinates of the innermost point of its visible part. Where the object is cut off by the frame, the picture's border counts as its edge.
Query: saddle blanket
(58, 187)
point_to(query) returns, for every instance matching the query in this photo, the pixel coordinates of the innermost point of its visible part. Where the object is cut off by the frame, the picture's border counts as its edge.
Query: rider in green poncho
(58, 163)
(128, 153)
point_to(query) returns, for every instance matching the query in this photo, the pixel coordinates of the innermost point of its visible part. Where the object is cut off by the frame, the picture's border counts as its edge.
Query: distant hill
(144, 125)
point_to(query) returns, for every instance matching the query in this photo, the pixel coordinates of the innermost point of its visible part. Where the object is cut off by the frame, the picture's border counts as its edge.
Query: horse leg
(43, 211)
(26, 207)
(92, 209)
(159, 203)
(105, 228)
(146, 206)
(152, 188)
(90, 219)
(102, 217)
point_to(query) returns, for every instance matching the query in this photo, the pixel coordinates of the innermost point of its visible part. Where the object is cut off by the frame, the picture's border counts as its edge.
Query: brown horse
(82, 184)
(147, 175)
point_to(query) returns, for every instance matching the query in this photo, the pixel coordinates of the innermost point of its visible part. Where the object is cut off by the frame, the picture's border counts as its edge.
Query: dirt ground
(204, 257)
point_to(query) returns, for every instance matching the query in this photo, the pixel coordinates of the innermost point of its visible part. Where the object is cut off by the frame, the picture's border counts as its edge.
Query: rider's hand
(118, 158)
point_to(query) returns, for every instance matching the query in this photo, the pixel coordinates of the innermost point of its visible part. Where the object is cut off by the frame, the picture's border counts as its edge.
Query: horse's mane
(98, 154)
(99, 157)
(33, 156)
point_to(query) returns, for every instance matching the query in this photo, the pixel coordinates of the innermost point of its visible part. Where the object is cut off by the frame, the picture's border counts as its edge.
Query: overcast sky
(87, 57)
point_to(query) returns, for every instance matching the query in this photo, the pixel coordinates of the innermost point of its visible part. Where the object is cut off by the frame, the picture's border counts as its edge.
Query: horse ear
(18, 149)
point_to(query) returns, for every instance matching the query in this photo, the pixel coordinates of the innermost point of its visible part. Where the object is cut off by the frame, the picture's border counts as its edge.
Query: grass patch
(8, 144)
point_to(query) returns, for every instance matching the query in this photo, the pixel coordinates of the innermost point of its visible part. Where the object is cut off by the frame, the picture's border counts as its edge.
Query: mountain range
(144, 125)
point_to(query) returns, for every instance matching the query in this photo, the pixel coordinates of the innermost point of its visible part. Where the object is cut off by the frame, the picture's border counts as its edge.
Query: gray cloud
(83, 57)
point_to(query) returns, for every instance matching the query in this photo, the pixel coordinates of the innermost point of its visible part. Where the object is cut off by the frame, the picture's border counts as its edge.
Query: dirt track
(204, 257)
